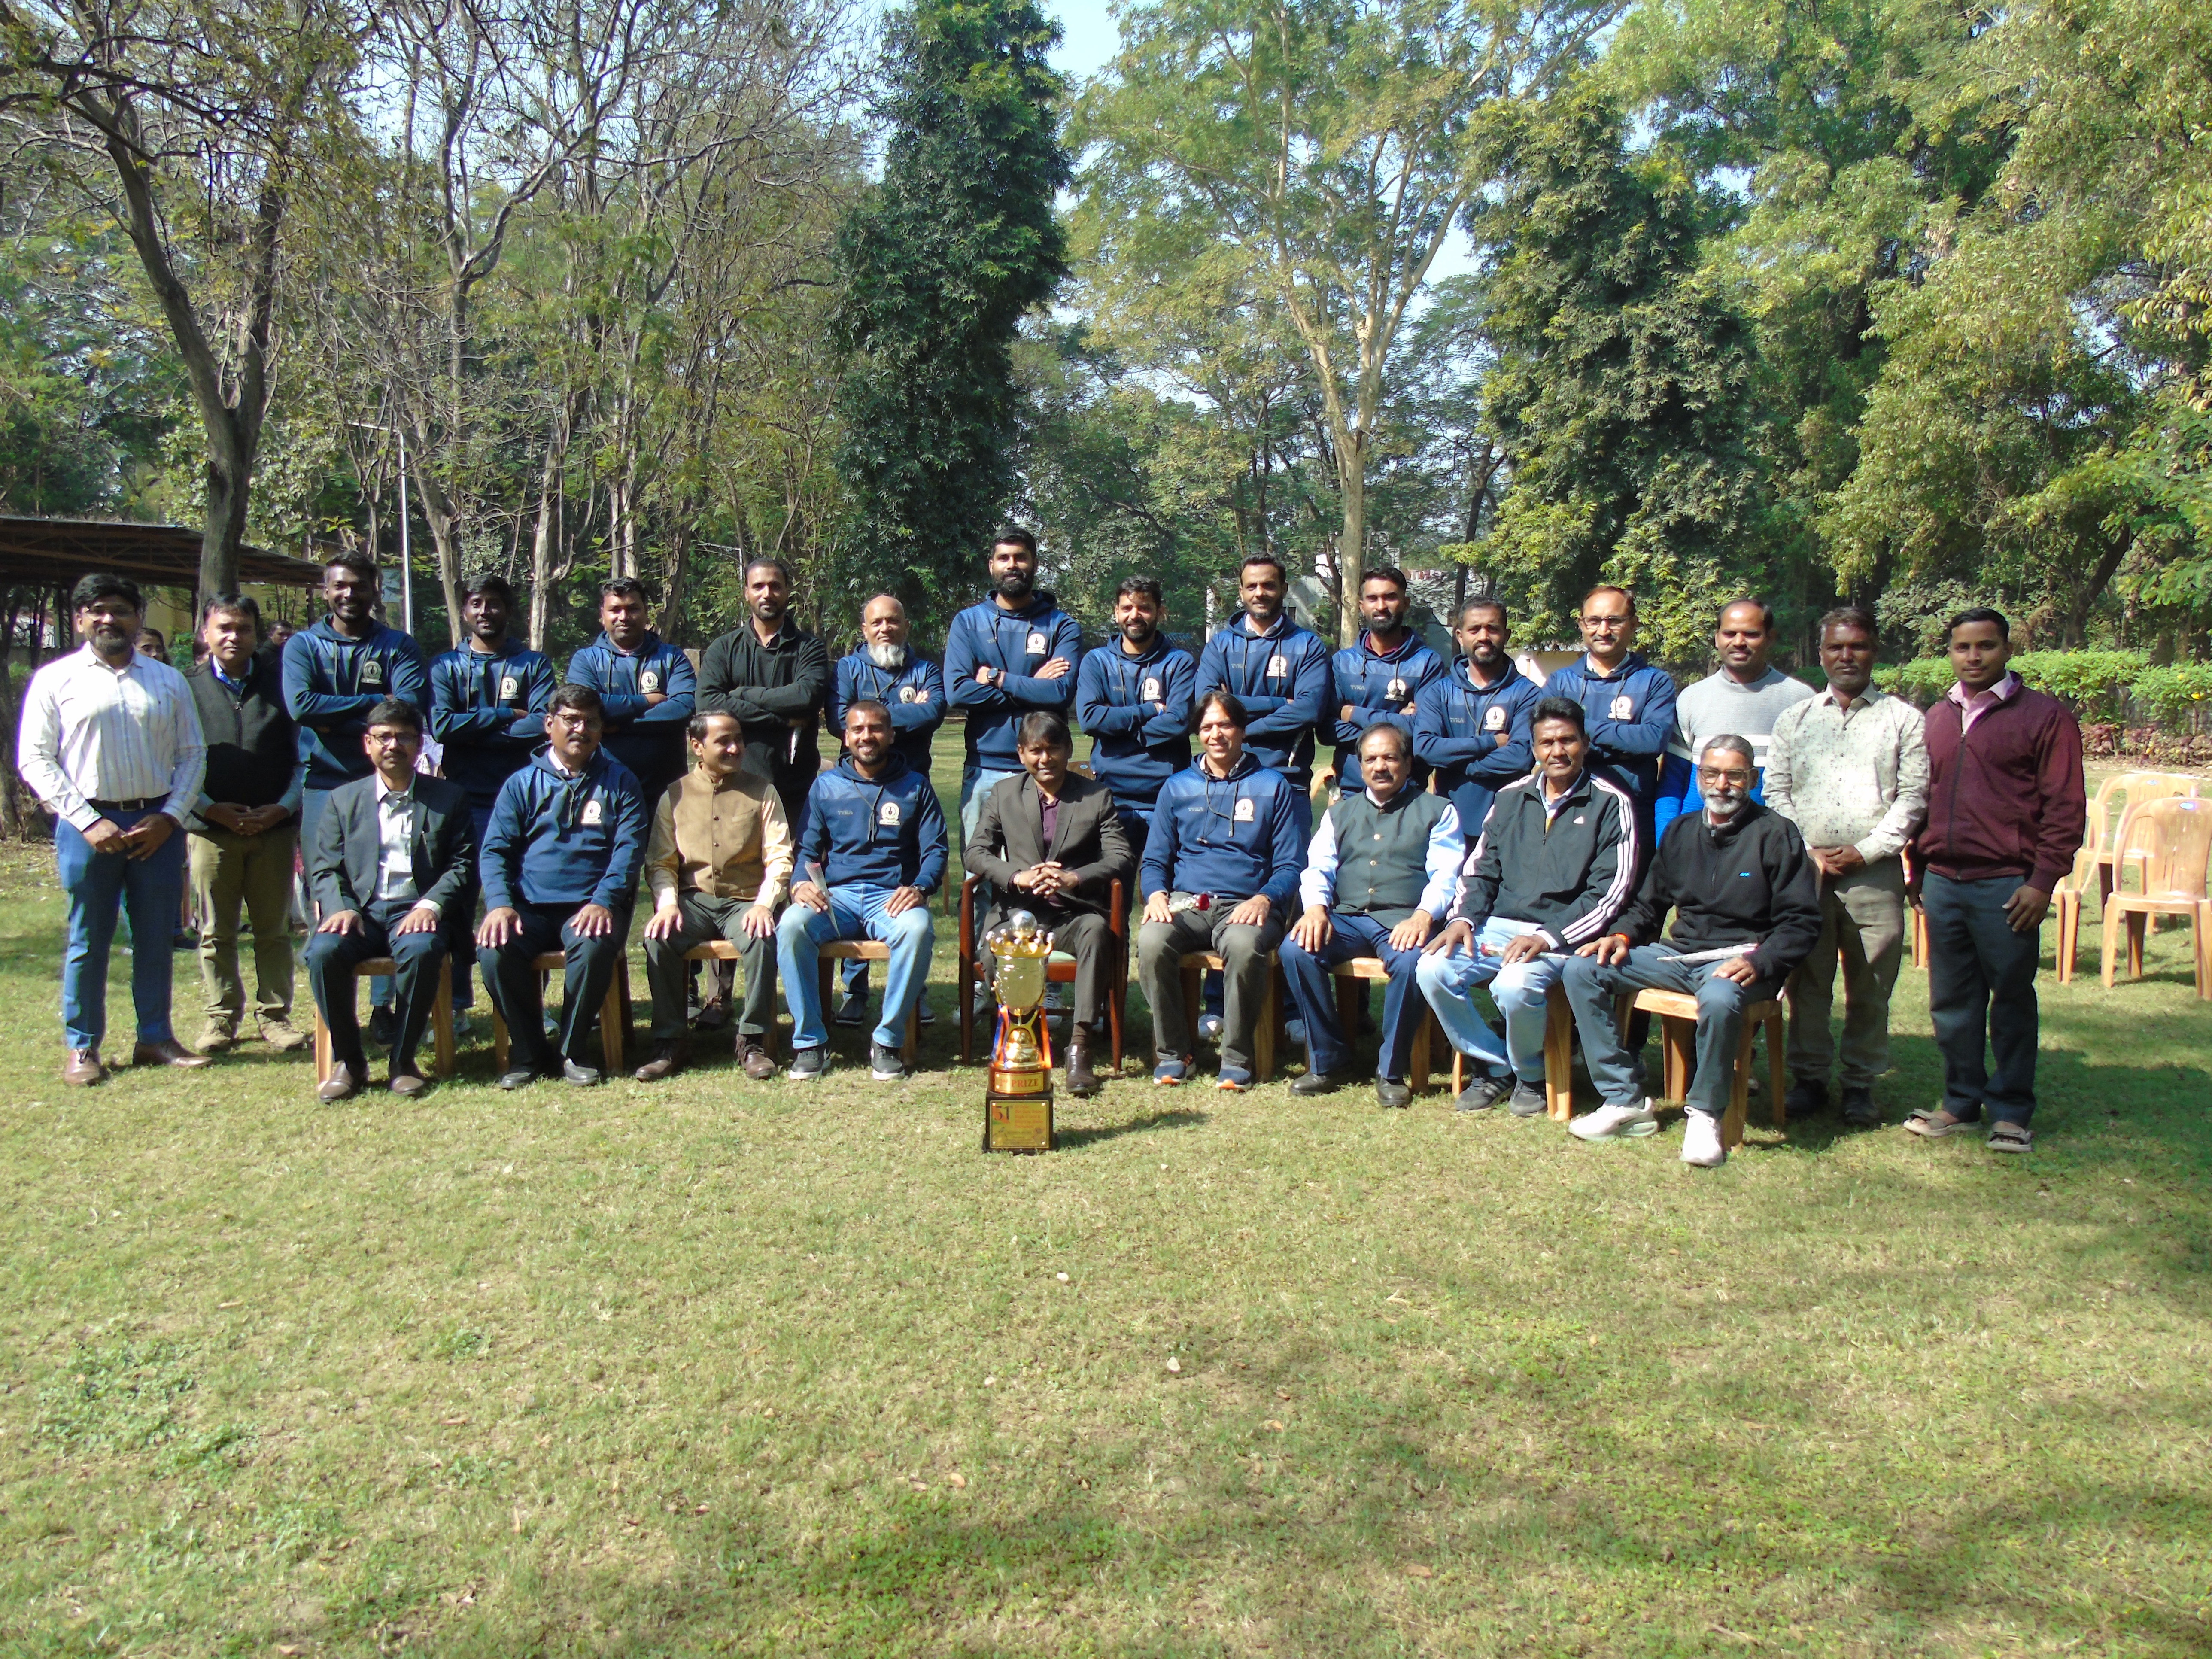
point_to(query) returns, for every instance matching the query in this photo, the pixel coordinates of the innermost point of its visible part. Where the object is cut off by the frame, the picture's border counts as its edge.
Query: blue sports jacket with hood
(1378, 685)
(1457, 732)
(331, 683)
(883, 832)
(914, 694)
(1014, 644)
(1283, 679)
(488, 711)
(1630, 715)
(648, 738)
(554, 839)
(1135, 746)
(1232, 836)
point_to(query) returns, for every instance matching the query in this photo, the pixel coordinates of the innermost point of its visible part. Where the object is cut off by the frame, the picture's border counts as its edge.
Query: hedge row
(2095, 684)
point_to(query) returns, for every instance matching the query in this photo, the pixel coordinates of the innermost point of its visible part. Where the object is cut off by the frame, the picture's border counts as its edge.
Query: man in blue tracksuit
(646, 688)
(1629, 703)
(560, 865)
(1277, 670)
(872, 850)
(1473, 723)
(1380, 676)
(1134, 698)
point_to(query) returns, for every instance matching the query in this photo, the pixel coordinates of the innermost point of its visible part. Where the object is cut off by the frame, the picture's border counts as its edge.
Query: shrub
(2178, 697)
(2087, 682)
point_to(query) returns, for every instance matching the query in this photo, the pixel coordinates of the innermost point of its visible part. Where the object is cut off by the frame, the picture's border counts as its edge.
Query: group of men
(1487, 831)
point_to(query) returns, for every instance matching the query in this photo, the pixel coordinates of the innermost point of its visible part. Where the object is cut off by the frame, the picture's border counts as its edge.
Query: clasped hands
(140, 840)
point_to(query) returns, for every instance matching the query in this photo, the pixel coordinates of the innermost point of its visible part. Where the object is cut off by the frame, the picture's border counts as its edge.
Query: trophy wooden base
(1018, 1112)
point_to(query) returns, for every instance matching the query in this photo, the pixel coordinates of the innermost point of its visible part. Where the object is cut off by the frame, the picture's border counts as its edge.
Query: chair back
(2123, 790)
(2168, 841)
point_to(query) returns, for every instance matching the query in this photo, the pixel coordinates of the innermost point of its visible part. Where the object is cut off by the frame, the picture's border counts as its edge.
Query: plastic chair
(1059, 970)
(2169, 842)
(2097, 860)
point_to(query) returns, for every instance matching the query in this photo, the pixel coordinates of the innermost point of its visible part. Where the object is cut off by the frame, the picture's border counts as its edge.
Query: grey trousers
(669, 976)
(1160, 949)
(1862, 921)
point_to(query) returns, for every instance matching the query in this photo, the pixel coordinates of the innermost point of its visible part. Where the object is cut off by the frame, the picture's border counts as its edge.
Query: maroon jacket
(2006, 798)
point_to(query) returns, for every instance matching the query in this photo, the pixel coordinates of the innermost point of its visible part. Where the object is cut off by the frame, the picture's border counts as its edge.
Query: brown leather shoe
(83, 1067)
(407, 1085)
(755, 1059)
(667, 1057)
(169, 1052)
(1082, 1081)
(347, 1080)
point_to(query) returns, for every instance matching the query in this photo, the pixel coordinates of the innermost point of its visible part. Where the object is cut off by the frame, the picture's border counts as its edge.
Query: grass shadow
(1185, 1118)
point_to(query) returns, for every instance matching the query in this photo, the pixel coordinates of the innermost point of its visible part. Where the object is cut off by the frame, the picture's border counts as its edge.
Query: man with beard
(1744, 695)
(1747, 909)
(1278, 671)
(775, 679)
(488, 696)
(1134, 700)
(1473, 724)
(648, 691)
(111, 743)
(1380, 676)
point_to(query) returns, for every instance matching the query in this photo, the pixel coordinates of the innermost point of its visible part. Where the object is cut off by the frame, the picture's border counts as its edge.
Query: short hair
(770, 562)
(1609, 587)
(1147, 588)
(1042, 726)
(1733, 744)
(105, 584)
(1227, 703)
(1559, 709)
(884, 599)
(360, 563)
(1765, 611)
(396, 711)
(700, 724)
(1282, 570)
(1980, 613)
(1015, 536)
(624, 587)
(874, 704)
(1504, 617)
(242, 605)
(1385, 572)
(1852, 616)
(1395, 733)
(492, 583)
(583, 697)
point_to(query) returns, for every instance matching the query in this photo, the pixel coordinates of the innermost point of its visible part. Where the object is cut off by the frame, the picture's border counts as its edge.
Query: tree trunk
(1351, 543)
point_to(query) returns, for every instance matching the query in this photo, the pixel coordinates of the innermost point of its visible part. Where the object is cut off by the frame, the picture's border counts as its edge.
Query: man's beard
(885, 656)
(1139, 634)
(1016, 586)
(1722, 809)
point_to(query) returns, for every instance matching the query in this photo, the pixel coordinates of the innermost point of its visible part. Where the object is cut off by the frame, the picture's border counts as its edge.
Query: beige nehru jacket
(729, 842)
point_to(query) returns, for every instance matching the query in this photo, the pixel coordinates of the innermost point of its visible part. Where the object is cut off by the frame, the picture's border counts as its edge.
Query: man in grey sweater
(1744, 697)
(1848, 767)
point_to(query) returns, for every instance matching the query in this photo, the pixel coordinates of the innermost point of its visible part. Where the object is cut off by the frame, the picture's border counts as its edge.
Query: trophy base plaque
(1017, 1123)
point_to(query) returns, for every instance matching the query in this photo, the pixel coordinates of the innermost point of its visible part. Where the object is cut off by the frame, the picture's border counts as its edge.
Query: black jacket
(765, 686)
(1570, 872)
(1748, 879)
(342, 865)
(1086, 836)
(253, 742)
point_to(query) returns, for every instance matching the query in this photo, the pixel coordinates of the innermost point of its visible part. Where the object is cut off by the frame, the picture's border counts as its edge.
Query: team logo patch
(1151, 691)
(1246, 810)
(649, 681)
(371, 672)
(888, 815)
(1278, 666)
(906, 694)
(593, 817)
(1493, 718)
(1623, 708)
(1037, 644)
(1395, 692)
(509, 687)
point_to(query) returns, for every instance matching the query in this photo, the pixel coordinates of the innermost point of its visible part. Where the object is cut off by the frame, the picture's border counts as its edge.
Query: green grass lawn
(720, 1367)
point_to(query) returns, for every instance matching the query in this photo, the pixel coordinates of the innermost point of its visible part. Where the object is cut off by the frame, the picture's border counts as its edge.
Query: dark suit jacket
(1087, 837)
(342, 869)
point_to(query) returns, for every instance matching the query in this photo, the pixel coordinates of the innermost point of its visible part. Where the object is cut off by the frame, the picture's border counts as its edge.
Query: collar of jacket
(509, 649)
(786, 632)
(1041, 602)
(257, 665)
(1465, 675)
(323, 629)
(1246, 763)
(1281, 628)
(542, 757)
(894, 768)
(1721, 834)
(1398, 653)
(1159, 648)
(646, 647)
(1628, 665)
(1407, 793)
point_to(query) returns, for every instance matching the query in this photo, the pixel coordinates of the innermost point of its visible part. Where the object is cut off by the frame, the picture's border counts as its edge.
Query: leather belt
(140, 805)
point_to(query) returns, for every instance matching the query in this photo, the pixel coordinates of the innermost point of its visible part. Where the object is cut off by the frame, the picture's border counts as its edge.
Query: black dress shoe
(518, 1077)
(1393, 1093)
(1316, 1083)
(1805, 1097)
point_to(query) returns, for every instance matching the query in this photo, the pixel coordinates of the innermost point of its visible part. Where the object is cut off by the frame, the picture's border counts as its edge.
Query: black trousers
(333, 958)
(588, 969)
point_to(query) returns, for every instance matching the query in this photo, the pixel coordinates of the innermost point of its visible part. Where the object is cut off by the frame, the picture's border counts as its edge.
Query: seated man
(872, 850)
(560, 867)
(1051, 842)
(1220, 871)
(720, 865)
(1555, 864)
(1747, 909)
(394, 874)
(1380, 873)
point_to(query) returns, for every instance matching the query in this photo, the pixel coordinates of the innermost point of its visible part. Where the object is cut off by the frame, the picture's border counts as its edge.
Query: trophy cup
(1017, 1101)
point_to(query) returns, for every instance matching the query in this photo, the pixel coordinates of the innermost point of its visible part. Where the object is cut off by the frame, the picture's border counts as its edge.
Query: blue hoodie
(488, 711)
(1283, 679)
(1377, 685)
(883, 832)
(648, 738)
(1232, 836)
(1014, 644)
(331, 683)
(560, 839)
(1137, 710)
(1457, 732)
(1631, 713)
(913, 694)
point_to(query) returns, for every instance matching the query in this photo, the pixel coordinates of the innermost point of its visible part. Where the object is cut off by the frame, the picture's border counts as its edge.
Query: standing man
(560, 869)
(1628, 704)
(1134, 701)
(646, 685)
(1472, 724)
(393, 872)
(244, 826)
(2006, 810)
(719, 867)
(1279, 672)
(1379, 676)
(775, 680)
(111, 743)
(1848, 767)
(488, 696)
(1380, 873)
(1743, 695)
(872, 851)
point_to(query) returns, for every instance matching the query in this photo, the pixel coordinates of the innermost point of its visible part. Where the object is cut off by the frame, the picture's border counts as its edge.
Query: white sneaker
(1614, 1123)
(1701, 1141)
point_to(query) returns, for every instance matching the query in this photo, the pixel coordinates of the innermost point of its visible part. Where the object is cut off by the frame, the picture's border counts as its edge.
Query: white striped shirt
(92, 732)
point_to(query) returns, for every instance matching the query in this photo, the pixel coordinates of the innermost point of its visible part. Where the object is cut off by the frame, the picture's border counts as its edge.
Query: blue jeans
(1448, 983)
(1314, 988)
(1981, 990)
(98, 884)
(1721, 1002)
(853, 913)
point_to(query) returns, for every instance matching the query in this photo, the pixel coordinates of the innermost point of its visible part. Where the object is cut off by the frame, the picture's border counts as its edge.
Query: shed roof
(55, 552)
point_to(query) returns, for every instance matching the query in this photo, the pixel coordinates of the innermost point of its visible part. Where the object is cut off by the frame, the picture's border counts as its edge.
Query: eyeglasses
(1734, 775)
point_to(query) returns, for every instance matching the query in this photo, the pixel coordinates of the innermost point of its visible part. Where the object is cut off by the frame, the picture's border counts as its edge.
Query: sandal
(2011, 1137)
(1930, 1124)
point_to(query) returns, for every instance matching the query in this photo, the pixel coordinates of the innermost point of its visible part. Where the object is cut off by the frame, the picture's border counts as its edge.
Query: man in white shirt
(111, 743)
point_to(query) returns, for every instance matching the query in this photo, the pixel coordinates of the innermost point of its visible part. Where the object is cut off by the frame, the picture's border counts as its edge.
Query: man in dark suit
(393, 874)
(1051, 842)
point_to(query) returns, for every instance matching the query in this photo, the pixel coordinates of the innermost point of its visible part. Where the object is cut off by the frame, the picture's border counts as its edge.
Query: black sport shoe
(1807, 1096)
(1859, 1111)
(853, 1010)
(1485, 1093)
(1529, 1100)
(885, 1064)
(807, 1064)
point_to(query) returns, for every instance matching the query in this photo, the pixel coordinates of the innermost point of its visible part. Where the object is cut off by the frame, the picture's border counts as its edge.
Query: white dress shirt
(395, 842)
(1446, 851)
(92, 732)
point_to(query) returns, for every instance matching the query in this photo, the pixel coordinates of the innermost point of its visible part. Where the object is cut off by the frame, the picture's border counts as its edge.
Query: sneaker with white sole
(1209, 1028)
(1701, 1141)
(885, 1064)
(807, 1064)
(1614, 1123)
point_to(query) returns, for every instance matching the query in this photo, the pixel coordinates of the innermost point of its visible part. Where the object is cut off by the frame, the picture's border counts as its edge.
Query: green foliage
(2096, 684)
(2178, 694)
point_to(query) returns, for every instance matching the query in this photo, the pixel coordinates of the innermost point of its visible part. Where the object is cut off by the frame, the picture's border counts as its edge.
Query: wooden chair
(1268, 1040)
(869, 950)
(1352, 978)
(614, 1014)
(721, 949)
(1059, 970)
(1559, 1058)
(2168, 842)
(1678, 1015)
(441, 1018)
(2098, 860)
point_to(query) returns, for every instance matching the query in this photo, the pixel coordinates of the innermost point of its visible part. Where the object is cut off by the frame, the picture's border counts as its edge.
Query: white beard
(1720, 812)
(886, 656)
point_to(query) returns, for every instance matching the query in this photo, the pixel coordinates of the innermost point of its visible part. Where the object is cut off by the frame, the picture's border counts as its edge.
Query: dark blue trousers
(1981, 998)
(333, 958)
(588, 969)
(1314, 988)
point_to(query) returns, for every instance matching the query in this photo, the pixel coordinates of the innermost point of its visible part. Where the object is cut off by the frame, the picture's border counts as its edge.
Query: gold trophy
(1018, 1102)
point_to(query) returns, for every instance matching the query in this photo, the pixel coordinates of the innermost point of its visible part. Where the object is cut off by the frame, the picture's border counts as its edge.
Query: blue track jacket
(1137, 710)
(913, 694)
(331, 683)
(488, 711)
(648, 738)
(1232, 836)
(1016, 643)
(874, 832)
(1283, 679)
(1457, 732)
(1631, 713)
(559, 840)
(1377, 686)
